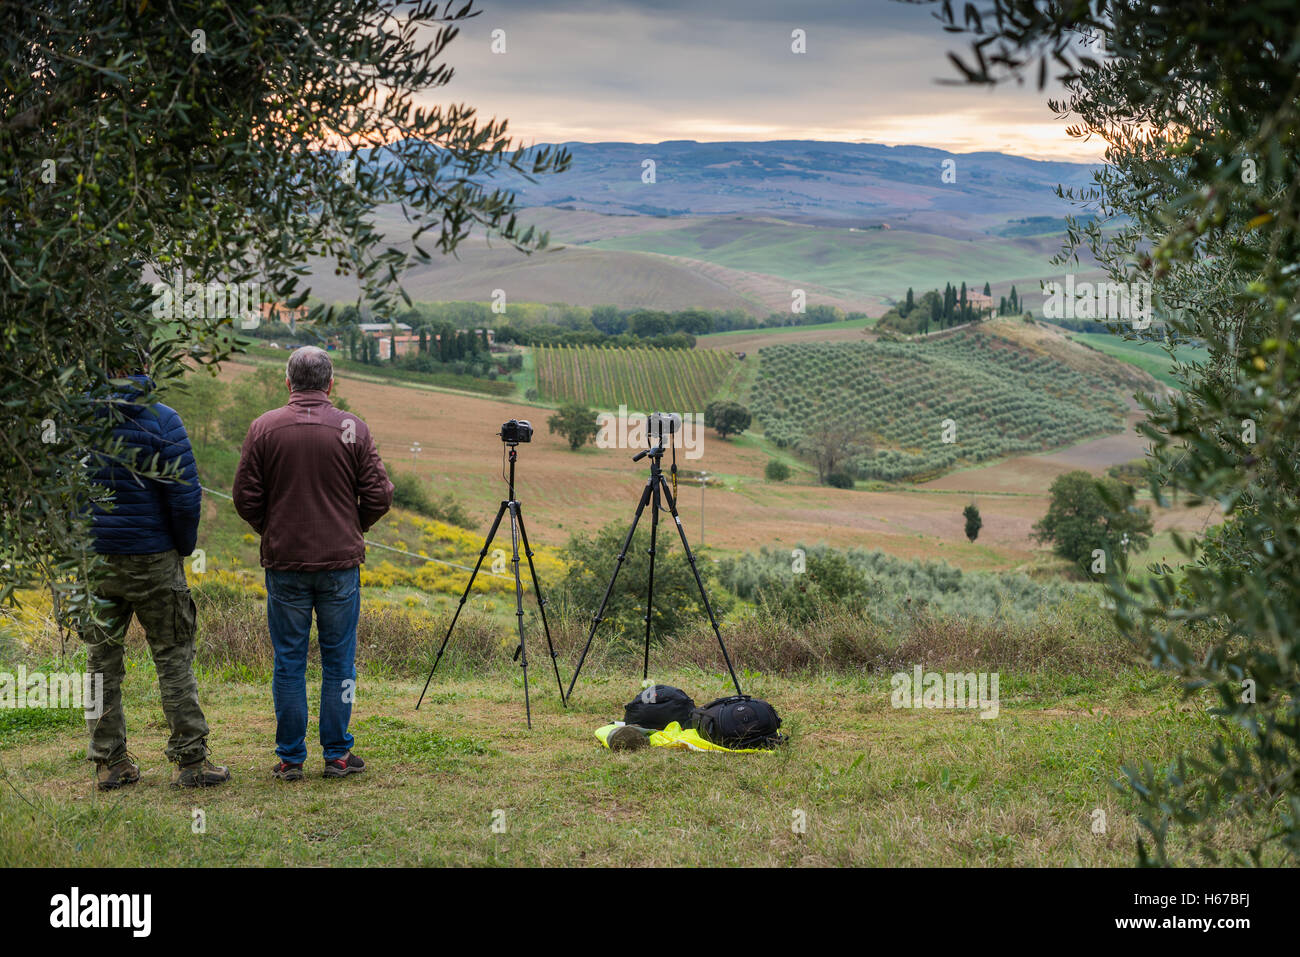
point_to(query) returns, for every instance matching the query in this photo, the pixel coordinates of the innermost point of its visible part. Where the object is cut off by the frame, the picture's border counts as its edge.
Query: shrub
(776, 471)
(1087, 514)
(411, 492)
(677, 597)
(576, 423)
(727, 418)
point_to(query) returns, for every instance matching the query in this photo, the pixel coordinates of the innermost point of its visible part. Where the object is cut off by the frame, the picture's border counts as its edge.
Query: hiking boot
(201, 774)
(342, 767)
(110, 777)
(285, 771)
(628, 738)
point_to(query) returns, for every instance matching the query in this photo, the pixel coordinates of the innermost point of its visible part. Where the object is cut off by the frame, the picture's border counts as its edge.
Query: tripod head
(510, 451)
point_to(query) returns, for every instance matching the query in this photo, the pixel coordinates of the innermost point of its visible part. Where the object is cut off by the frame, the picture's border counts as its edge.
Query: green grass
(863, 262)
(876, 786)
(526, 378)
(1148, 356)
(18, 724)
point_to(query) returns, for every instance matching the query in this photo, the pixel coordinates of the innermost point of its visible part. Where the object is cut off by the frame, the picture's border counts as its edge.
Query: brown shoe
(110, 777)
(201, 774)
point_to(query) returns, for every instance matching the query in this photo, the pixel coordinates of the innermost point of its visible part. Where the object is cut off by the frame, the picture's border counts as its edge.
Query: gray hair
(309, 368)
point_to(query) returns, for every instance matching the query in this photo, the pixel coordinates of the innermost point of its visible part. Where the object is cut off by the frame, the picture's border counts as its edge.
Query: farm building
(399, 335)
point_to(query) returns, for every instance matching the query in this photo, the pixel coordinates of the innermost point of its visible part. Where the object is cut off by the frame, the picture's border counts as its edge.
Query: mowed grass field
(1148, 356)
(871, 784)
(851, 263)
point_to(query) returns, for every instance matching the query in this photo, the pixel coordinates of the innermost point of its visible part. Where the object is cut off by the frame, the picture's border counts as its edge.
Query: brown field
(564, 492)
(751, 342)
(1032, 473)
(570, 274)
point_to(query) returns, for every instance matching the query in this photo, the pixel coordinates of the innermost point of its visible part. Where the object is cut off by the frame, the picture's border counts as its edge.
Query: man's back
(310, 481)
(148, 515)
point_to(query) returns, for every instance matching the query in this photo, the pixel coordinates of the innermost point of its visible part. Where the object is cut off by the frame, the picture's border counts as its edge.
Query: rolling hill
(741, 225)
(807, 181)
(933, 405)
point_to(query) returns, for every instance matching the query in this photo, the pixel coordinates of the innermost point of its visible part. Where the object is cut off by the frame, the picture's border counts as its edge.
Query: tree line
(943, 310)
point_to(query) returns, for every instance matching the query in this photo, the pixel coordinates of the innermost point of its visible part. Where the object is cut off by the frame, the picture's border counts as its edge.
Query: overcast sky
(651, 70)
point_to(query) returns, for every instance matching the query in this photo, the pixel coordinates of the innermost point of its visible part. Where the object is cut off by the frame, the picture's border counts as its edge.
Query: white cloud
(625, 71)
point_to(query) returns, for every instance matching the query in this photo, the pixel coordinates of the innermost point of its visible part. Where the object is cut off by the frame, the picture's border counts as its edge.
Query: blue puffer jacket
(148, 515)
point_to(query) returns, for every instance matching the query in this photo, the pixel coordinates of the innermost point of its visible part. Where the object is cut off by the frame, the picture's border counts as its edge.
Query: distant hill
(742, 225)
(805, 181)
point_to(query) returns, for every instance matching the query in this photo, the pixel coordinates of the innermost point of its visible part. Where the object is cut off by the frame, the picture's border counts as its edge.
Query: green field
(848, 262)
(1000, 398)
(873, 783)
(876, 786)
(1148, 356)
(679, 380)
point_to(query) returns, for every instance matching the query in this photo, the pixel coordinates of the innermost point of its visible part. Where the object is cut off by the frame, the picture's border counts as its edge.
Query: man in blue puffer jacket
(151, 525)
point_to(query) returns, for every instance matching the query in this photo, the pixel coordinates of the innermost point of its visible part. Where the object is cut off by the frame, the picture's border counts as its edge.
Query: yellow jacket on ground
(674, 737)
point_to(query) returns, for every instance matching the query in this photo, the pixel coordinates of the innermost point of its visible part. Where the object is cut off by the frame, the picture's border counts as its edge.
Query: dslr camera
(665, 423)
(516, 431)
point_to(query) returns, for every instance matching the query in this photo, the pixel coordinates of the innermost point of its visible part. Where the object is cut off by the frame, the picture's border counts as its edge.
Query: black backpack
(659, 706)
(738, 721)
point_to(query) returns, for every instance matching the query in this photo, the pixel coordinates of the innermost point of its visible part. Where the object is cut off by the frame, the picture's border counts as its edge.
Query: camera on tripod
(663, 423)
(516, 431)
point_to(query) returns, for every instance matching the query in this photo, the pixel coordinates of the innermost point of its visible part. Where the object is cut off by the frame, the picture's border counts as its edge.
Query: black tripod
(655, 486)
(517, 532)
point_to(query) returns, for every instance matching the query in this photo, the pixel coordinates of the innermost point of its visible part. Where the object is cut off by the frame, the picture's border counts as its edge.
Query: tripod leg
(522, 653)
(690, 557)
(597, 619)
(541, 602)
(487, 542)
(650, 586)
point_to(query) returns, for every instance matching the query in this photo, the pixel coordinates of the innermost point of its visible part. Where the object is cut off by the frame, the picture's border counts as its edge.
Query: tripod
(517, 532)
(655, 487)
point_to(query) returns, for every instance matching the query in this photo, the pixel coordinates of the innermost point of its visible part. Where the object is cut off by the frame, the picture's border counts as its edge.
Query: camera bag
(658, 707)
(738, 721)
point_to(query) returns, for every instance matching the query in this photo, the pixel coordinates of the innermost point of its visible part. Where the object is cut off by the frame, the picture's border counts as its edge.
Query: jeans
(290, 598)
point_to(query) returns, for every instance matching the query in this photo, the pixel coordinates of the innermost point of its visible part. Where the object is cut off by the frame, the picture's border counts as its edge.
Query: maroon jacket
(310, 482)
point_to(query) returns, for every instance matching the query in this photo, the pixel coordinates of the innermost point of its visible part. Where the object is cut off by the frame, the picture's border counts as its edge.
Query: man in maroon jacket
(310, 482)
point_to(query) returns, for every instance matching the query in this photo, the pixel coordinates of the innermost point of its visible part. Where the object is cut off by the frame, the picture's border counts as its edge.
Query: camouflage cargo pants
(153, 588)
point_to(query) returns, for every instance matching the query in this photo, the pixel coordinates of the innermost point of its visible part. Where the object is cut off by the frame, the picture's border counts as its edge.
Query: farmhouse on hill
(398, 335)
